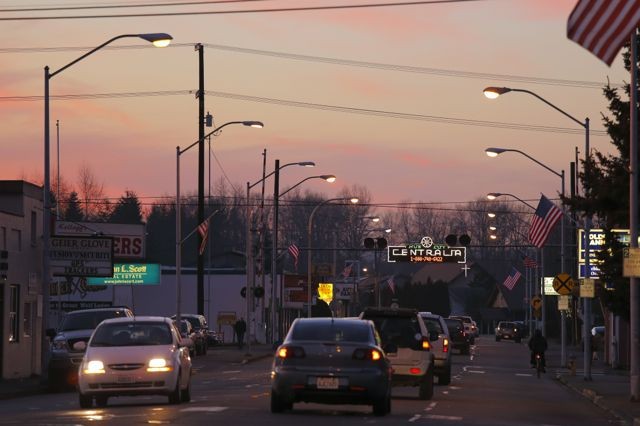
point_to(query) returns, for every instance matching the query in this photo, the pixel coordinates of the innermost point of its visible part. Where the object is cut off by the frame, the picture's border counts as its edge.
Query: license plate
(125, 379)
(327, 382)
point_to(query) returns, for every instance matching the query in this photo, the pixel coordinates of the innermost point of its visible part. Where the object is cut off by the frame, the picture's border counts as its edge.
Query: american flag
(294, 251)
(346, 272)
(512, 278)
(391, 284)
(603, 26)
(529, 262)
(203, 230)
(546, 216)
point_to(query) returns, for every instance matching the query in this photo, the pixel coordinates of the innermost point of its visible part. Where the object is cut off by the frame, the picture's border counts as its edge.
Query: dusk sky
(426, 143)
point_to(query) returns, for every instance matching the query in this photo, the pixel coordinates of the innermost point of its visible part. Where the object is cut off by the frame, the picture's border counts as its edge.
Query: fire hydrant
(572, 365)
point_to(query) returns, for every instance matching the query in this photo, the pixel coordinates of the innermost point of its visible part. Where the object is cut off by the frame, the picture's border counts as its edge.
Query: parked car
(186, 332)
(440, 348)
(332, 361)
(459, 338)
(470, 326)
(509, 330)
(200, 328)
(214, 338)
(65, 355)
(407, 343)
(135, 356)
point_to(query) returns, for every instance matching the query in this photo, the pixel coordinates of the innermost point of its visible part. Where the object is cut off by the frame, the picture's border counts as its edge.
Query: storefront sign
(130, 274)
(426, 252)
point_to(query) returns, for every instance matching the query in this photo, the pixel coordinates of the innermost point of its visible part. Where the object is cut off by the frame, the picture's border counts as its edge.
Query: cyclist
(538, 345)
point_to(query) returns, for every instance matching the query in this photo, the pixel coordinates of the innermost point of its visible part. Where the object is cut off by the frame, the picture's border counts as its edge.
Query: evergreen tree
(128, 209)
(73, 212)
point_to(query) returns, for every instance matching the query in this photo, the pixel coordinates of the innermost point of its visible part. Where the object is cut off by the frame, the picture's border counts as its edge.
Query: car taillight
(445, 345)
(291, 352)
(368, 354)
(425, 344)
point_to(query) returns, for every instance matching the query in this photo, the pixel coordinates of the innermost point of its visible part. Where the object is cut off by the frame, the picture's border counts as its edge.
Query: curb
(597, 400)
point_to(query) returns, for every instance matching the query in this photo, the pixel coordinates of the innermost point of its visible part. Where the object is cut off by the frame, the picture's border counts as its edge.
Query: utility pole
(201, 122)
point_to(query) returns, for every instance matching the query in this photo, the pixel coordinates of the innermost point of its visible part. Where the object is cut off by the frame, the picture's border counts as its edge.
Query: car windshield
(195, 322)
(132, 334)
(336, 331)
(87, 320)
(401, 331)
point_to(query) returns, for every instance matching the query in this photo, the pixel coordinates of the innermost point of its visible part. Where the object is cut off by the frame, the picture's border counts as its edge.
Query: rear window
(453, 324)
(400, 331)
(337, 331)
(433, 325)
(132, 334)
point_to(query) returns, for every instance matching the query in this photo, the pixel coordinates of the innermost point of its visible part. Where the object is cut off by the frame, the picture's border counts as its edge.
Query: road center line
(414, 418)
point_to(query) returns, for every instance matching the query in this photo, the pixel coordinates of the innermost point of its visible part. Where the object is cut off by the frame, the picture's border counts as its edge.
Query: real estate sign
(130, 274)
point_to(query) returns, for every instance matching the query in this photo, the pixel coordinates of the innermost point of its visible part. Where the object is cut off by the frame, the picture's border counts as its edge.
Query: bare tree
(91, 191)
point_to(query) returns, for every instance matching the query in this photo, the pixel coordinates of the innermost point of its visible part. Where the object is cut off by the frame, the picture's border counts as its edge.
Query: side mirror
(80, 346)
(50, 333)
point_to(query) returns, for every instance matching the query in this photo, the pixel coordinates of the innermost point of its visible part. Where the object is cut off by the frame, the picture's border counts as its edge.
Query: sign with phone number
(435, 254)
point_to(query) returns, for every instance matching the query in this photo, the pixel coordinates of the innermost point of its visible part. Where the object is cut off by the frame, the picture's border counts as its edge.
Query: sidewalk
(608, 388)
(15, 388)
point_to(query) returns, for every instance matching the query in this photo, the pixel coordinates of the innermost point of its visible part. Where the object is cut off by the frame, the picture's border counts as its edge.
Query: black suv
(76, 326)
(508, 330)
(459, 338)
(200, 329)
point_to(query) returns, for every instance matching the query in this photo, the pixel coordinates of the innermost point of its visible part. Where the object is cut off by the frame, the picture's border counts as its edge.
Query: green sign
(130, 274)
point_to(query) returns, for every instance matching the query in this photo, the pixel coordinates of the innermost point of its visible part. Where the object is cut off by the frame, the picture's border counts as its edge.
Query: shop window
(14, 305)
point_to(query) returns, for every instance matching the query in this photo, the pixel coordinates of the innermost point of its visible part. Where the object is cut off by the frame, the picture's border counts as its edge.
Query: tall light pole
(493, 93)
(201, 137)
(158, 40)
(353, 200)
(274, 249)
(179, 152)
(249, 253)
(494, 152)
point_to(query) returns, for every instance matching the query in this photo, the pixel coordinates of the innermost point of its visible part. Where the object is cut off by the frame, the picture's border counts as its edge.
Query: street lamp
(179, 152)
(276, 215)
(492, 93)
(249, 254)
(158, 40)
(353, 200)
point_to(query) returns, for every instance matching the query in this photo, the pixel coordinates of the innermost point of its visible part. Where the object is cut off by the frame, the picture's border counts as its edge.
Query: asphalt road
(494, 386)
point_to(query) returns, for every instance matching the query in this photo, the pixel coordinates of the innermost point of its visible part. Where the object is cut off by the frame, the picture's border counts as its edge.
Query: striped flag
(512, 278)
(294, 251)
(203, 230)
(529, 262)
(346, 272)
(546, 216)
(603, 26)
(391, 284)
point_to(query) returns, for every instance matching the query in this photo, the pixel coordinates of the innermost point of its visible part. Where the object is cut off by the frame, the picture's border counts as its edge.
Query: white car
(135, 356)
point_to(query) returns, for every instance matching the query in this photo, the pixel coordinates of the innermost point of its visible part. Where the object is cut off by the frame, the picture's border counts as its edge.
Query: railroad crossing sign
(536, 302)
(563, 284)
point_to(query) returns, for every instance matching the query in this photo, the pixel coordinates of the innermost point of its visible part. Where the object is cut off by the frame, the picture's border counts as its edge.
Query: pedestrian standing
(240, 328)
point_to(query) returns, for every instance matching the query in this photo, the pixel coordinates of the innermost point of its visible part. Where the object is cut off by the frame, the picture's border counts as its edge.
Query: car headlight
(158, 364)
(94, 367)
(59, 345)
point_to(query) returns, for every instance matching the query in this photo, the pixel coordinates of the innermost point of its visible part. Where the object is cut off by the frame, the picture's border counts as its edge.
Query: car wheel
(382, 407)
(497, 339)
(101, 401)
(185, 395)
(426, 385)
(204, 348)
(277, 405)
(445, 378)
(174, 396)
(192, 353)
(86, 401)
(56, 382)
(518, 340)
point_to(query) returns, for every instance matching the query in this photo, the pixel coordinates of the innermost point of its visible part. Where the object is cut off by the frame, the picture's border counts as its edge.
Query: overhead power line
(324, 107)
(339, 61)
(123, 6)
(238, 11)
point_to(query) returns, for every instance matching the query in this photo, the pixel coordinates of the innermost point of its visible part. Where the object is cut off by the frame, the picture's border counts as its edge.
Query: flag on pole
(203, 230)
(512, 278)
(603, 26)
(546, 216)
(346, 272)
(391, 284)
(529, 262)
(294, 251)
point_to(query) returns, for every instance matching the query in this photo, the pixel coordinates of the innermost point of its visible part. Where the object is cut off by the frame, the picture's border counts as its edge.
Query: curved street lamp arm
(519, 199)
(560, 175)
(560, 110)
(300, 183)
(298, 163)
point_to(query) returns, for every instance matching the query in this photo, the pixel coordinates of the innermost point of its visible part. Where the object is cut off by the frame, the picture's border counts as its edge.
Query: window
(34, 228)
(14, 305)
(27, 325)
(16, 240)
(3, 237)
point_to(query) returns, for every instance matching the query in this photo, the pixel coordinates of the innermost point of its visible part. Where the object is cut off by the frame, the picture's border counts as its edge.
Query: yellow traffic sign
(563, 284)
(536, 302)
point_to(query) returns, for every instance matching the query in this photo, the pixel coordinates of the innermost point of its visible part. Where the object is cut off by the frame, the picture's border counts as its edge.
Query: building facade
(20, 279)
